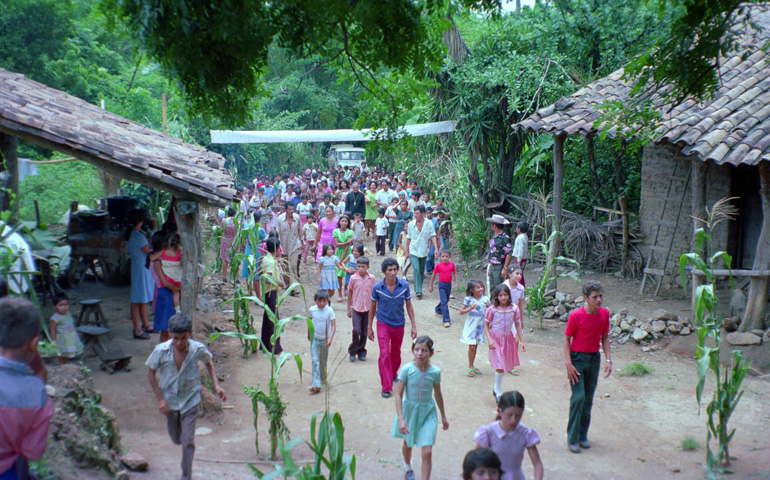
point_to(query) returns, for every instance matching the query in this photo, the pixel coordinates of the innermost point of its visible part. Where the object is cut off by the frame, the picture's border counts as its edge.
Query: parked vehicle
(344, 155)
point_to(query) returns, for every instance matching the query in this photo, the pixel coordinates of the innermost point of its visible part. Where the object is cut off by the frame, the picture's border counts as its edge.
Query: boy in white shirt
(391, 215)
(358, 228)
(324, 327)
(381, 232)
(521, 248)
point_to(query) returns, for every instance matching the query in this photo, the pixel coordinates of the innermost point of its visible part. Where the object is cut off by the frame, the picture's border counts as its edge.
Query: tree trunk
(592, 173)
(756, 305)
(10, 156)
(620, 178)
(189, 230)
(698, 213)
(558, 188)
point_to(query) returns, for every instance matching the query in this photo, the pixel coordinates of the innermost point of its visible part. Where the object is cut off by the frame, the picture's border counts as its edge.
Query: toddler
(62, 330)
(171, 257)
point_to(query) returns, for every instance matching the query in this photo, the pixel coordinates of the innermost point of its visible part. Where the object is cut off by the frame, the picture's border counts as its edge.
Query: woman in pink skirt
(228, 237)
(502, 324)
(326, 228)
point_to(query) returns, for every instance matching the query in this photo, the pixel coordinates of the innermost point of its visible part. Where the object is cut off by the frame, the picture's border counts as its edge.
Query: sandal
(313, 390)
(148, 330)
(141, 336)
(515, 372)
(477, 371)
(471, 372)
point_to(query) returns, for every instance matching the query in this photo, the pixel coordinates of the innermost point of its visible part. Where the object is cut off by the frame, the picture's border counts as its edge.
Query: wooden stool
(111, 360)
(89, 307)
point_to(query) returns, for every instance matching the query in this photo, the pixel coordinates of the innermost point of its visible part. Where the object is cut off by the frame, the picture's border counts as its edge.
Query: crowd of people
(327, 215)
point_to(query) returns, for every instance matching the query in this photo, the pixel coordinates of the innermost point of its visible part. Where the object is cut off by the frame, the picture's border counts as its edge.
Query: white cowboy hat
(498, 219)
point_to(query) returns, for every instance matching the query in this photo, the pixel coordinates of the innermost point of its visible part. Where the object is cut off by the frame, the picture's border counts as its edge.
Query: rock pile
(627, 327)
(561, 306)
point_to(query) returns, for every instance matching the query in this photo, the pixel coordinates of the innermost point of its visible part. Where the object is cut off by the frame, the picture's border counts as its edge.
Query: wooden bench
(111, 360)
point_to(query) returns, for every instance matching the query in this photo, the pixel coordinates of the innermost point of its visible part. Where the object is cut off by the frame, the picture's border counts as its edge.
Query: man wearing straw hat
(499, 253)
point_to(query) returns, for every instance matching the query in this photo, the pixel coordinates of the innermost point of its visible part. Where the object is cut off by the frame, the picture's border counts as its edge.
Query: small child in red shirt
(445, 271)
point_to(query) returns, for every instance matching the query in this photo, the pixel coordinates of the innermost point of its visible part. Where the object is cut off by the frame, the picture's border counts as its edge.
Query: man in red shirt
(587, 327)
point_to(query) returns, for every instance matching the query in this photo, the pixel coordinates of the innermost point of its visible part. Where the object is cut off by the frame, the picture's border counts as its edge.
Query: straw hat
(498, 219)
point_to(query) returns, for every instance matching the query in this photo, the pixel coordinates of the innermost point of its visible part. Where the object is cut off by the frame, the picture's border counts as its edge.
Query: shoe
(447, 324)
(585, 444)
(361, 358)
(419, 294)
(409, 475)
(386, 394)
(352, 358)
(471, 372)
(439, 315)
(495, 395)
(142, 336)
(573, 447)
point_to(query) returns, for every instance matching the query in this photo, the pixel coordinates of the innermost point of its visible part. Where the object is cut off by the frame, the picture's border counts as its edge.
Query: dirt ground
(638, 422)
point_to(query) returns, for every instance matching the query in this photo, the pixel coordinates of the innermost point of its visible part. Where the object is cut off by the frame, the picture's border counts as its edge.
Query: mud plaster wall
(659, 164)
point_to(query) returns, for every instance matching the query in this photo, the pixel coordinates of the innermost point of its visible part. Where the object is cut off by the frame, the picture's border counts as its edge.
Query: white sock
(498, 383)
(407, 467)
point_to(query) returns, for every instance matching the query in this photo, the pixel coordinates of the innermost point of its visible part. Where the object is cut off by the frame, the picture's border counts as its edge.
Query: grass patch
(689, 444)
(635, 369)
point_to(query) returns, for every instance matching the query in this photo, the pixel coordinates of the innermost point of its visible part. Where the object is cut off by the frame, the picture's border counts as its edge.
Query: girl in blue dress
(416, 420)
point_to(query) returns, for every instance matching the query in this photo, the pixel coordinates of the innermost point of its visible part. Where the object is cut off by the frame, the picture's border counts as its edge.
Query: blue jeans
(318, 353)
(444, 291)
(444, 243)
(431, 262)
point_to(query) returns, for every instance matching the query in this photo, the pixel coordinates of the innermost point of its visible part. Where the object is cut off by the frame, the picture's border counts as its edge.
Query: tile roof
(731, 128)
(53, 119)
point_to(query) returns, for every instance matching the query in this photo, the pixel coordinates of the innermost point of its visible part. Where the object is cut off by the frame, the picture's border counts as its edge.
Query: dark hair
(472, 286)
(523, 226)
(19, 322)
(303, 196)
(321, 294)
(173, 240)
(272, 244)
(481, 457)
(445, 250)
(230, 211)
(169, 226)
(510, 399)
(387, 263)
(325, 247)
(419, 208)
(59, 297)
(425, 340)
(362, 260)
(381, 211)
(498, 290)
(340, 220)
(592, 286)
(359, 246)
(3, 287)
(286, 205)
(180, 323)
(133, 218)
(257, 216)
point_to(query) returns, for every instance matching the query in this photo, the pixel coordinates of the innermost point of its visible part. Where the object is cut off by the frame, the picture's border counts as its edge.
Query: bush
(689, 444)
(635, 369)
(56, 186)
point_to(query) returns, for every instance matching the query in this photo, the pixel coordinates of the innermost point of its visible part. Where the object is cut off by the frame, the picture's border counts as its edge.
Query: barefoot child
(446, 271)
(178, 391)
(475, 304)
(171, 256)
(403, 261)
(359, 302)
(501, 326)
(62, 330)
(416, 414)
(324, 327)
(508, 438)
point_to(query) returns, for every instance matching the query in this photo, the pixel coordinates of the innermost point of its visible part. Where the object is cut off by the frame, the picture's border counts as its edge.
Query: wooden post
(9, 151)
(698, 211)
(190, 232)
(165, 117)
(623, 201)
(759, 288)
(558, 189)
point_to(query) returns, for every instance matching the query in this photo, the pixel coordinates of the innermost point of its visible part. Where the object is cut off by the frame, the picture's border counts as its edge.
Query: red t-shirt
(587, 329)
(444, 271)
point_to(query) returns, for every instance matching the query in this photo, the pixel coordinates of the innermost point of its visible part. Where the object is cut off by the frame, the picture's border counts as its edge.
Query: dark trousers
(587, 365)
(495, 278)
(392, 237)
(268, 327)
(360, 327)
(181, 429)
(380, 244)
(444, 291)
(18, 471)
(430, 263)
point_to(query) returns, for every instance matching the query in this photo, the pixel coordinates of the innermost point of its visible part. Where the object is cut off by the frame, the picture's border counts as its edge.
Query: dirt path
(638, 423)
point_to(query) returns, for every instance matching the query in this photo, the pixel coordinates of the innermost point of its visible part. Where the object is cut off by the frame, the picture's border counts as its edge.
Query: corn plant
(537, 298)
(271, 399)
(330, 435)
(708, 321)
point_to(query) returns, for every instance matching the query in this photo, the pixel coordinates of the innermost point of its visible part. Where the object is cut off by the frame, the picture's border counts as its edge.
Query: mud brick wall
(659, 163)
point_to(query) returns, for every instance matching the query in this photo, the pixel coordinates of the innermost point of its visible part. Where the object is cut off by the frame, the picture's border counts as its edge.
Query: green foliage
(329, 435)
(708, 323)
(70, 181)
(635, 369)
(690, 444)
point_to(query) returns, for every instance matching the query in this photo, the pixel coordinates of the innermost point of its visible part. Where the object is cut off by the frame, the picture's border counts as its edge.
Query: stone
(674, 469)
(554, 302)
(758, 332)
(626, 327)
(616, 319)
(674, 328)
(631, 320)
(579, 304)
(569, 298)
(658, 326)
(135, 462)
(730, 324)
(623, 311)
(685, 330)
(203, 431)
(50, 390)
(616, 331)
(766, 337)
(622, 340)
(737, 338)
(560, 297)
(561, 309)
(210, 402)
(123, 475)
(646, 327)
(639, 335)
(564, 317)
(662, 314)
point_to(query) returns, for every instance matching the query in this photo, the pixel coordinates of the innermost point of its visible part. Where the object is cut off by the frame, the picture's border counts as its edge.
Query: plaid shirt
(499, 248)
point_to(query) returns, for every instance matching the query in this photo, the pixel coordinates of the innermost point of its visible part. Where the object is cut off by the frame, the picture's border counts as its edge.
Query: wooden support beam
(759, 288)
(558, 189)
(697, 212)
(10, 158)
(190, 232)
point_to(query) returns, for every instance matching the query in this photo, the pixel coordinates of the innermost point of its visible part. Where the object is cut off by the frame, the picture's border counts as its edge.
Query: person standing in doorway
(420, 236)
(499, 253)
(587, 328)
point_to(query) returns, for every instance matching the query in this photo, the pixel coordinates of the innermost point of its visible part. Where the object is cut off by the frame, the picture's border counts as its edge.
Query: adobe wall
(659, 163)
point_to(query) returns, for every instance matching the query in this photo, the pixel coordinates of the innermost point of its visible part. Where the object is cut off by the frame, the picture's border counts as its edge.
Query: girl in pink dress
(229, 231)
(502, 324)
(517, 291)
(326, 227)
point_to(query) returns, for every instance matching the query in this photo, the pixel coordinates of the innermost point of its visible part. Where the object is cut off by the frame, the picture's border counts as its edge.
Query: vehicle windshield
(351, 156)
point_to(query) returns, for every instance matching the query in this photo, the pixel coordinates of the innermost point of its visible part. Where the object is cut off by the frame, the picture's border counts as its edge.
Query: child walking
(474, 305)
(403, 261)
(62, 330)
(327, 269)
(324, 327)
(358, 251)
(508, 438)
(416, 414)
(501, 327)
(445, 271)
(178, 391)
(359, 302)
(381, 232)
(309, 230)
(514, 284)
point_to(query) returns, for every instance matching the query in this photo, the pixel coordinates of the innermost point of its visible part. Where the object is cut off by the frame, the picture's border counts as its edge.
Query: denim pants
(392, 237)
(587, 365)
(319, 352)
(444, 291)
(418, 268)
(444, 243)
(430, 263)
